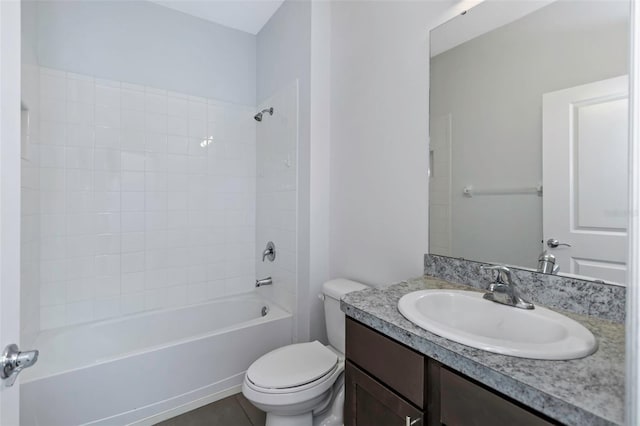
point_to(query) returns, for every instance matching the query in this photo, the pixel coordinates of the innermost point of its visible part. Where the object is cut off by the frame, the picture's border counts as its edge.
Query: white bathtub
(148, 366)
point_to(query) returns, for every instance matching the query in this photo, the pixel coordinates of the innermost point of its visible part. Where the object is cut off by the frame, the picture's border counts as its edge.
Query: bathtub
(148, 367)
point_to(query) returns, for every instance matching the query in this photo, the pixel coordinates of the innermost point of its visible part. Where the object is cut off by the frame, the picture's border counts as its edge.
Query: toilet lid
(292, 365)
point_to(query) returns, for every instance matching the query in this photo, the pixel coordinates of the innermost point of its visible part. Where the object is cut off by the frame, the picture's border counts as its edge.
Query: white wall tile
(80, 90)
(156, 123)
(107, 181)
(133, 181)
(80, 113)
(132, 242)
(81, 245)
(79, 290)
(132, 222)
(132, 303)
(80, 135)
(106, 159)
(132, 201)
(132, 282)
(106, 308)
(52, 156)
(107, 96)
(53, 133)
(78, 157)
(177, 106)
(133, 262)
(106, 137)
(79, 180)
(156, 103)
(79, 312)
(130, 206)
(107, 117)
(132, 161)
(52, 317)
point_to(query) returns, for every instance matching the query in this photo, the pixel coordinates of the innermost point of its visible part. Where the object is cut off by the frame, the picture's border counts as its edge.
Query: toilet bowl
(303, 384)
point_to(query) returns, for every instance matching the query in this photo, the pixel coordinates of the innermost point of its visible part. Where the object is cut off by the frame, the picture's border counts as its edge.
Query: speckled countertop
(587, 391)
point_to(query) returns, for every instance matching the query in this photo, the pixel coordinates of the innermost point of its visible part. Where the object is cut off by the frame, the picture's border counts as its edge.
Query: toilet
(303, 384)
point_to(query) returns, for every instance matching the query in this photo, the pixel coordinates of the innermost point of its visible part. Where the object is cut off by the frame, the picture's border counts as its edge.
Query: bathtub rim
(276, 312)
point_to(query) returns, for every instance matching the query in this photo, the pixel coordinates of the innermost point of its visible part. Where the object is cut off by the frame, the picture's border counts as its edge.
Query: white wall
(379, 142)
(143, 43)
(283, 55)
(320, 157)
(492, 87)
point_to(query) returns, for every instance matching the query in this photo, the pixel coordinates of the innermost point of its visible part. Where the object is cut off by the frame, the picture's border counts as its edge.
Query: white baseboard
(190, 406)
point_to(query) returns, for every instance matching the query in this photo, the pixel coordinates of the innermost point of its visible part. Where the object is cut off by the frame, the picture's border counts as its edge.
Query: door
(440, 186)
(585, 173)
(9, 196)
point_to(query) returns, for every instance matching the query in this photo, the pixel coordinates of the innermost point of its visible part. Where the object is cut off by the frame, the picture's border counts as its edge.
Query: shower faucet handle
(12, 362)
(269, 252)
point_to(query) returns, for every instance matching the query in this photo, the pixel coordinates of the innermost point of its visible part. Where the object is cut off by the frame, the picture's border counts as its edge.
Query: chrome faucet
(503, 290)
(269, 252)
(264, 281)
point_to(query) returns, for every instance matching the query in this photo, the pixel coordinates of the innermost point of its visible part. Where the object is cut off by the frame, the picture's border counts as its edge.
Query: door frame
(633, 287)
(10, 45)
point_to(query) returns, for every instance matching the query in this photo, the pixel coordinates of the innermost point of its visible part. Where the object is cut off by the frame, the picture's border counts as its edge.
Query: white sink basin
(467, 318)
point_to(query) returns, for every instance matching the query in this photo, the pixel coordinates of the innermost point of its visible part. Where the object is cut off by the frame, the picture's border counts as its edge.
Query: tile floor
(231, 411)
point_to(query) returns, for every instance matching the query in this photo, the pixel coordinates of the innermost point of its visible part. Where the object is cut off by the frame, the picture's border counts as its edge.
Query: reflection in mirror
(528, 136)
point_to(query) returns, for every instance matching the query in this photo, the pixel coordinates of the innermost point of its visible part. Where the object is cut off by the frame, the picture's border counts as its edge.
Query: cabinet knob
(410, 422)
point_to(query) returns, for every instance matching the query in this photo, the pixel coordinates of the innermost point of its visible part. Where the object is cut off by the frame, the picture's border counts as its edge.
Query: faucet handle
(504, 273)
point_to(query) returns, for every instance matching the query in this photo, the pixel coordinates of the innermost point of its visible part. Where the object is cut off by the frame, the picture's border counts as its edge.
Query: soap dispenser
(547, 263)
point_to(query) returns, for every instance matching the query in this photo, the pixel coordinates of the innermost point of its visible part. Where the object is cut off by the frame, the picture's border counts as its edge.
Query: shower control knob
(13, 362)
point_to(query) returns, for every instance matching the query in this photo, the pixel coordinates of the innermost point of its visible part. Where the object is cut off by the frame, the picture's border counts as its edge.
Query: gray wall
(143, 43)
(493, 87)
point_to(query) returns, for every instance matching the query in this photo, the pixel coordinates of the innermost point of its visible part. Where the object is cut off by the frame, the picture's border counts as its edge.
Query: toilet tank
(333, 291)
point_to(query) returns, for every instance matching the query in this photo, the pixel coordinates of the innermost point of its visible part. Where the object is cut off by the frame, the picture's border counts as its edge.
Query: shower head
(258, 116)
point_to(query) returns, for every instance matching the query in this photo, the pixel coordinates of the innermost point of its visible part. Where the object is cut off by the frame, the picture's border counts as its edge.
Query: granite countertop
(587, 391)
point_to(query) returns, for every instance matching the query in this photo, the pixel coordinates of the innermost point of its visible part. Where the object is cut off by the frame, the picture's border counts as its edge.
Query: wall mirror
(529, 136)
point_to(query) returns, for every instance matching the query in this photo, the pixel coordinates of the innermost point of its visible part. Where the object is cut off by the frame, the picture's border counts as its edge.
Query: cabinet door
(369, 403)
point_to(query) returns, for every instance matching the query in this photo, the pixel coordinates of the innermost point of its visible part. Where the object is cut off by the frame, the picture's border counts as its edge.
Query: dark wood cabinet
(388, 384)
(368, 402)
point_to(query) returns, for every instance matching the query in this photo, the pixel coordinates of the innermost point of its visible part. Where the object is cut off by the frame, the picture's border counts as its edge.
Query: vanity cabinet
(388, 384)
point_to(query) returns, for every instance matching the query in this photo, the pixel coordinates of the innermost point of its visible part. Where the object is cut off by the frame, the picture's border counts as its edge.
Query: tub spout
(264, 281)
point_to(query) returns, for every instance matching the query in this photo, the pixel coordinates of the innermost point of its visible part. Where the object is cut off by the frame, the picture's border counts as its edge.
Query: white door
(585, 174)
(9, 197)
(440, 186)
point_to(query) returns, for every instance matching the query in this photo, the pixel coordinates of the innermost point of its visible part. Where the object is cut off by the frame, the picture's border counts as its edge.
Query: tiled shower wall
(30, 202)
(147, 198)
(277, 159)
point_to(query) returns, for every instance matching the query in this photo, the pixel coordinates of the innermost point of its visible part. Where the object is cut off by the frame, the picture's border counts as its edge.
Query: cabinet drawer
(399, 367)
(463, 402)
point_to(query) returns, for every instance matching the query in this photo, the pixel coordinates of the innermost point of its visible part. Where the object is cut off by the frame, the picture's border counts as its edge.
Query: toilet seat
(293, 368)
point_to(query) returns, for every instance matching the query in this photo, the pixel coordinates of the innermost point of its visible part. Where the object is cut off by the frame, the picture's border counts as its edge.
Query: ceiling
(244, 15)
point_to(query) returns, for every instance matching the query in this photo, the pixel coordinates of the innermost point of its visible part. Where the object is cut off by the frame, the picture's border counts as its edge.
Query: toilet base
(305, 419)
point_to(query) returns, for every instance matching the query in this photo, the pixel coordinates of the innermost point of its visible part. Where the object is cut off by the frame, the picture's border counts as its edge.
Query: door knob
(13, 362)
(553, 243)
